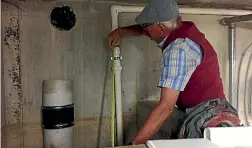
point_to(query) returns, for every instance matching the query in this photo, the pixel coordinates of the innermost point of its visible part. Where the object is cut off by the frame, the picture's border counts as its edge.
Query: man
(190, 75)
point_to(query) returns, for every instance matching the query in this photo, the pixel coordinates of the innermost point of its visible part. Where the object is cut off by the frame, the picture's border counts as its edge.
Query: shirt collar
(161, 44)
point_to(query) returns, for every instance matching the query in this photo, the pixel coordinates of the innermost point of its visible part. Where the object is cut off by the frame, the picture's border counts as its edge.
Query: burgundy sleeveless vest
(205, 83)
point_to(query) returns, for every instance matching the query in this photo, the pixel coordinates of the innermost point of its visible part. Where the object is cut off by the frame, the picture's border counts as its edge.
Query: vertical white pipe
(57, 114)
(114, 15)
(118, 90)
(197, 11)
(232, 65)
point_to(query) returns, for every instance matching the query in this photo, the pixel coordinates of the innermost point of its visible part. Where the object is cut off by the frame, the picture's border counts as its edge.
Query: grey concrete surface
(12, 92)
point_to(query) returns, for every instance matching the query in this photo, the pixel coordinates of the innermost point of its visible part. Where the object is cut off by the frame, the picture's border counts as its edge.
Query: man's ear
(162, 27)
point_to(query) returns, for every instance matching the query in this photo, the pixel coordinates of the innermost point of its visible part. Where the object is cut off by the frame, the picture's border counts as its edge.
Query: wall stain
(52, 145)
(12, 3)
(11, 44)
(12, 77)
(11, 32)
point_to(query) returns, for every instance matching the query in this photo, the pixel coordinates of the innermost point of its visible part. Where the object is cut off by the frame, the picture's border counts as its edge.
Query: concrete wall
(46, 53)
(33, 50)
(12, 113)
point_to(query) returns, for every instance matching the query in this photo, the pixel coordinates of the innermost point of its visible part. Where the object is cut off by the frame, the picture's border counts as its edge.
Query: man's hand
(113, 38)
(115, 35)
(157, 116)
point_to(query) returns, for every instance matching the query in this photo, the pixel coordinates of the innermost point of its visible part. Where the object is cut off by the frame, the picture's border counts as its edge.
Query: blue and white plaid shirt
(179, 60)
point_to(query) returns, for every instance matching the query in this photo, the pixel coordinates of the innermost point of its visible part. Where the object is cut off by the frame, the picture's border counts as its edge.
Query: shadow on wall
(167, 131)
(103, 95)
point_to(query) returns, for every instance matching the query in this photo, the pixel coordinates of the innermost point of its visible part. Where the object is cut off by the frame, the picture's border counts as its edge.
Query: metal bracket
(235, 19)
(115, 58)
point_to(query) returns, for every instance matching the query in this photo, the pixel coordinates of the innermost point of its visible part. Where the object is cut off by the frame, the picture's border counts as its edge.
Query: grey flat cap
(158, 11)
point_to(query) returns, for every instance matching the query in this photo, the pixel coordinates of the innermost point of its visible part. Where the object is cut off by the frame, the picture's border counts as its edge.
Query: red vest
(205, 83)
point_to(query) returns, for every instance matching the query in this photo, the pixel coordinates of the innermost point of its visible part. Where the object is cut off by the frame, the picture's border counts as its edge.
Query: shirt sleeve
(179, 61)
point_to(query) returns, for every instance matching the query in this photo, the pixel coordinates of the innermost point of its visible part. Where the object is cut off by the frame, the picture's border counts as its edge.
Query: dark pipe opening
(63, 18)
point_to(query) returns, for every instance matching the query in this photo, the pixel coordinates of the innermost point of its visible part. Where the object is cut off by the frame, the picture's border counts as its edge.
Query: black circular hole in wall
(63, 18)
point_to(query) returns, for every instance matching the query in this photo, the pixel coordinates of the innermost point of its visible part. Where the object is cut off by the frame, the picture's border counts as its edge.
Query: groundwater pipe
(118, 94)
(57, 113)
(115, 10)
(232, 65)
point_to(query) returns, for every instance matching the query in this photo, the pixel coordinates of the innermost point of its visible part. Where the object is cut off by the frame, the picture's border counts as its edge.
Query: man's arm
(173, 79)
(133, 30)
(158, 115)
(115, 35)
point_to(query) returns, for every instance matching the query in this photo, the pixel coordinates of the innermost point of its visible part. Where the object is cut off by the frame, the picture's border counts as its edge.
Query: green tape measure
(112, 121)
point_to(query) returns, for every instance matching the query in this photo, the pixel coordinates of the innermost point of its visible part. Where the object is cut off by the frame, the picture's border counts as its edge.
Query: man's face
(157, 32)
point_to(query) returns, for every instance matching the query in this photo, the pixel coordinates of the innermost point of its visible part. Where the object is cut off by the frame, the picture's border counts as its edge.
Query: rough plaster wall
(82, 55)
(3, 136)
(13, 102)
(3, 132)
